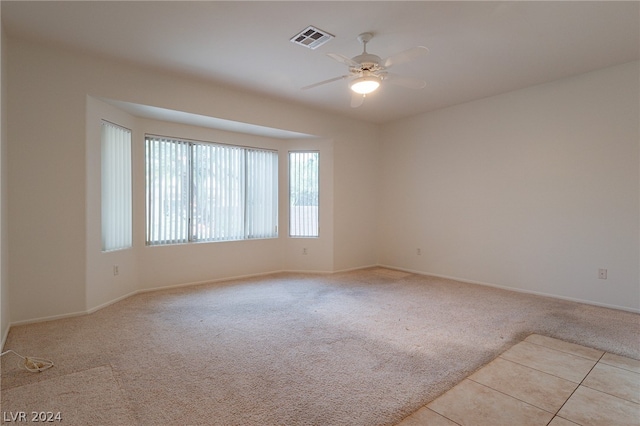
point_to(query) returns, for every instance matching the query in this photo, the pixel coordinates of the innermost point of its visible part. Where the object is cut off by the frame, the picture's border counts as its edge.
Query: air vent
(311, 37)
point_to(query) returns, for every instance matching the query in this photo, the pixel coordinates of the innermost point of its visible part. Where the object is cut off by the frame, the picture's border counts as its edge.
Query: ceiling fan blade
(356, 99)
(311, 86)
(406, 56)
(411, 83)
(343, 59)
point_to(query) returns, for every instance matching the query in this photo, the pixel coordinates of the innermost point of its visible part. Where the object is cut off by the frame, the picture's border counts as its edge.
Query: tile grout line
(607, 393)
(569, 353)
(611, 395)
(574, 391)
(511, 396)
(430, 409)
(545, 372)
(440, 414)
(618, 366)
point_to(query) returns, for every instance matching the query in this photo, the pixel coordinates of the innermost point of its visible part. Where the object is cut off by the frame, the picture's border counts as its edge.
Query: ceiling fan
(367, 71)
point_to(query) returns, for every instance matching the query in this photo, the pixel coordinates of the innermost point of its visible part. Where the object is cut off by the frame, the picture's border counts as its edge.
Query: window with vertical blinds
(303, 194)
(199, 192)
(168, 190)
(116, 187)
(262, 194)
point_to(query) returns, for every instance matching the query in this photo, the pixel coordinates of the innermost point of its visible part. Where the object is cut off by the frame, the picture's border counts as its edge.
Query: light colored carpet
(89, 397)
(366, 347)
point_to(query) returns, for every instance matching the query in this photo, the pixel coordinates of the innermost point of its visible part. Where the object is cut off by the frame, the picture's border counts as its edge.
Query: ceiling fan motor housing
(368, 62)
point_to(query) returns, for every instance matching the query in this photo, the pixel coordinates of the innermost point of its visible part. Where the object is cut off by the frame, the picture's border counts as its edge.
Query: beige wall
(101, 285)
(533, 190)
(56, 268)
(5, 318)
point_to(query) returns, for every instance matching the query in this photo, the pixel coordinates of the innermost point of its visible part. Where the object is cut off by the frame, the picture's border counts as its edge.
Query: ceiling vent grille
(311, 37)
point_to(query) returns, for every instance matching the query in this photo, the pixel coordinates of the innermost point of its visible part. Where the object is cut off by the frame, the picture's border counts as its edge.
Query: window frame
(192, 237)
(317, 178)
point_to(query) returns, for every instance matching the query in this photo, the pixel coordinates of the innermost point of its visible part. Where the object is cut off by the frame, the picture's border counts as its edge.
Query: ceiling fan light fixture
(365, 85)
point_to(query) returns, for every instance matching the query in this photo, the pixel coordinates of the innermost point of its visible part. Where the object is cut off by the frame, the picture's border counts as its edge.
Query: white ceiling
(476, 49)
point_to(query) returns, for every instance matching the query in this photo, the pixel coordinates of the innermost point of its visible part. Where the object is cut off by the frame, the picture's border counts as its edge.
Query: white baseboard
(518, 290)
(4, 338)
(205, 282)
(49, 318)
(111, 302)
(218, 280)
(359, 268)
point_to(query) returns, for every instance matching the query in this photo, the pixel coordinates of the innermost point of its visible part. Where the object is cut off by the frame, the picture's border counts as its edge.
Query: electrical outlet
(602, 274)
(419, 251)
(116, 270)
(304, 251)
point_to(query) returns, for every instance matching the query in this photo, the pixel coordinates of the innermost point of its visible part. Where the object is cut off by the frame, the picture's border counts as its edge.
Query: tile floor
(542, 381)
